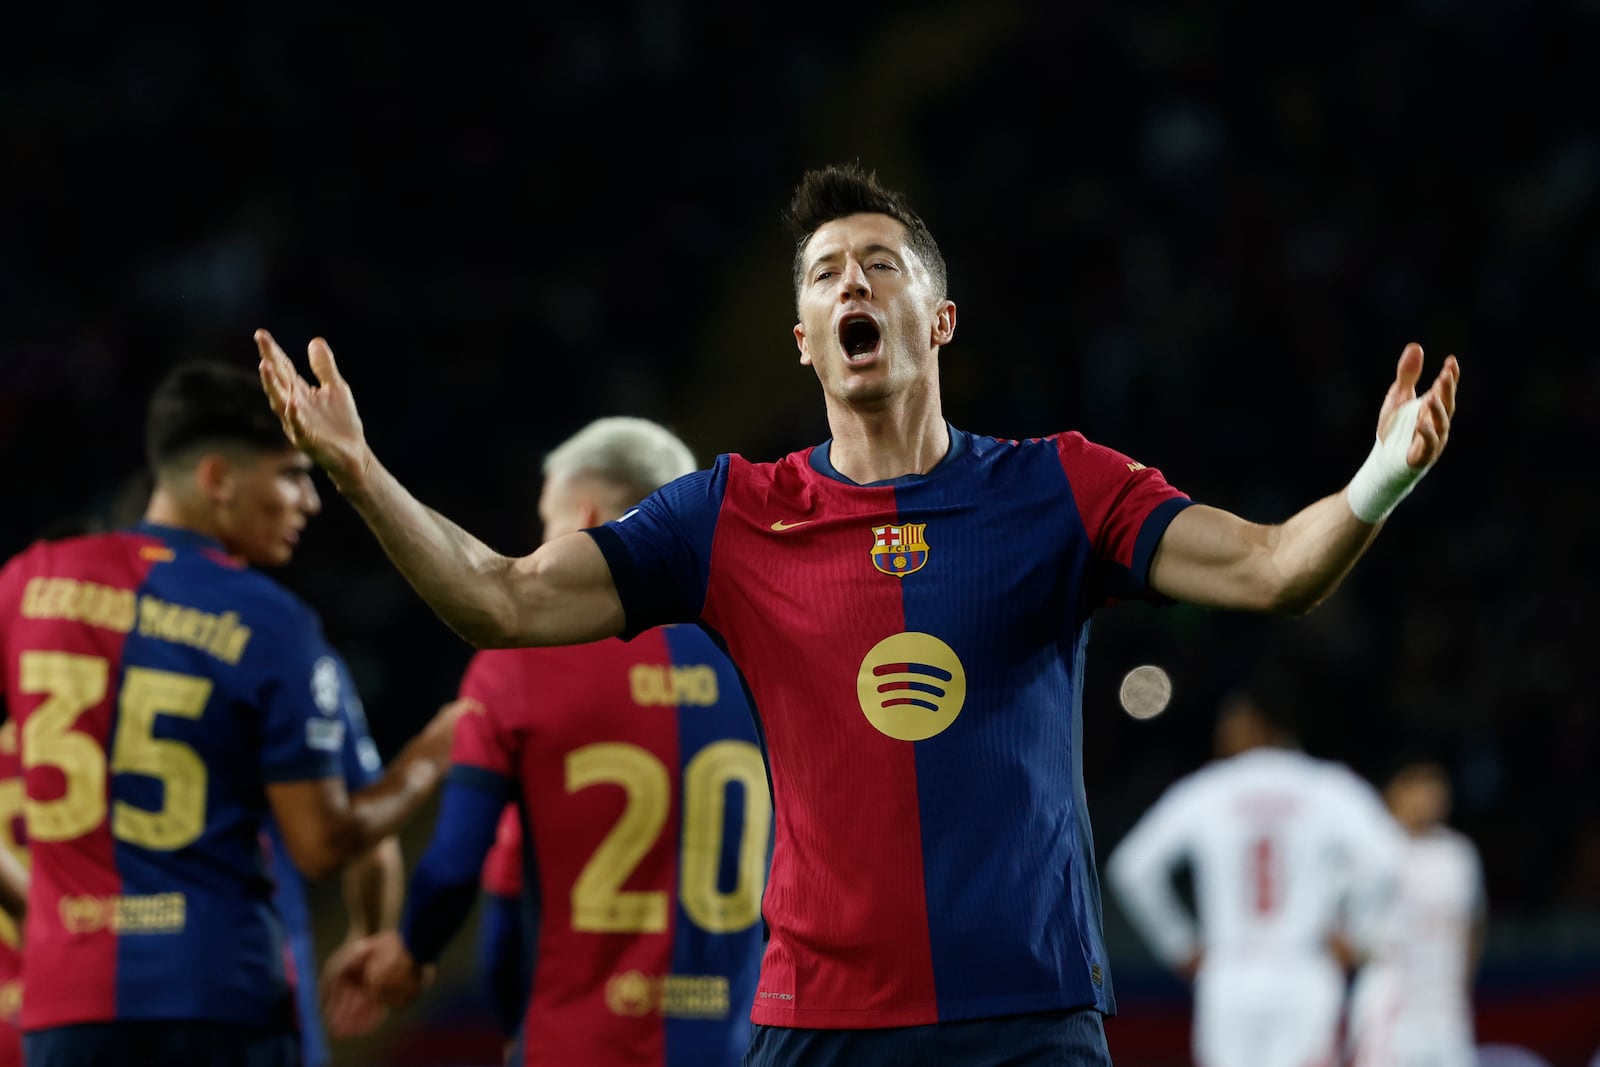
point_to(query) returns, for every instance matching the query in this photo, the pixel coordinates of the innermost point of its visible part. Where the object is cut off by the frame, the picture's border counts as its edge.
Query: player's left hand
(1438, 405)
(347, 1005)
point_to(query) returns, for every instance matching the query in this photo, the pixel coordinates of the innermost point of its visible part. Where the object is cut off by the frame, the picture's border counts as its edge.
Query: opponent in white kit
(1412, 1002)
(1293, 859)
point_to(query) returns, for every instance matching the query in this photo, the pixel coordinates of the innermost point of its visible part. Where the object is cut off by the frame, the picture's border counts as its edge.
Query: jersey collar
(822, 462)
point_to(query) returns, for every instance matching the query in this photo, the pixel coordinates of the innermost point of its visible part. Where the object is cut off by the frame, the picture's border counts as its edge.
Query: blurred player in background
(909, 604)
(165, 694)
(639, 780)
(372, 884)
(1412, 1002)
(1292, 859)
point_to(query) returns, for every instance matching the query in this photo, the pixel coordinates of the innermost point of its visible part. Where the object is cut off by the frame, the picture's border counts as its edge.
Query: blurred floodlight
(1145, 691)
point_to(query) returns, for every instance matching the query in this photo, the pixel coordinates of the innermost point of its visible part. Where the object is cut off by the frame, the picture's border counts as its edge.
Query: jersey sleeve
(1125, 508)
(359, 757)
(303, 729)
(482, 750)
(660, 552)
(502, 870)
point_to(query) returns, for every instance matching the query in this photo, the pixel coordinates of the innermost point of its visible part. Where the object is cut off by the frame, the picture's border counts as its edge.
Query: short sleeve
(660, 552)
(1125, 508)
(481, 746)
(360, 758)
(502, 869)
(303, 726)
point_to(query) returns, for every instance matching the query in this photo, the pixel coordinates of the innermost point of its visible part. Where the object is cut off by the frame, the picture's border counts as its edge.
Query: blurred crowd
(1200, 233)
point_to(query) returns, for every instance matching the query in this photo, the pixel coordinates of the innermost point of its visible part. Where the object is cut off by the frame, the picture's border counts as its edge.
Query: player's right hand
(321, 421)
(391, 975)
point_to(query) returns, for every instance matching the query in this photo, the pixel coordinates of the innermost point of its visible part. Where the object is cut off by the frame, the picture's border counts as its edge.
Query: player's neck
(877, 444)
(167, 509)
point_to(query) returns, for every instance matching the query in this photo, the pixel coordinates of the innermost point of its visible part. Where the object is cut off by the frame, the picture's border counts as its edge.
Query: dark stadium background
(1200, 233)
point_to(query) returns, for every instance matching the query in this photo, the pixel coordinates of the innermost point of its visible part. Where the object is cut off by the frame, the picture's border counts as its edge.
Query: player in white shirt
(1412, 1002)
(1292, 859)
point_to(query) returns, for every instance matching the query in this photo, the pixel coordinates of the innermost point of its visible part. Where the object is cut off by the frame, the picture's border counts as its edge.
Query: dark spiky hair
(204, 405)
(842, 189)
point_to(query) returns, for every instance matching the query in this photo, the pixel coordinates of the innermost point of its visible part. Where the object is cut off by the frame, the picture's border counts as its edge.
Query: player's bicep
(313, 818)
(565, 595)
(1214, 558)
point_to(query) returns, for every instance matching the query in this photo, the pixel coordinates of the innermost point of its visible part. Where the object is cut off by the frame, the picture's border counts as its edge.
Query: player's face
(1420, 804)
(871, 322)
(267, 499)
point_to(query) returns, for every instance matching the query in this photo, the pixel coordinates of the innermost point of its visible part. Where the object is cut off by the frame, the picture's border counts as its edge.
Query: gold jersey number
(601, 905)
(72, 684)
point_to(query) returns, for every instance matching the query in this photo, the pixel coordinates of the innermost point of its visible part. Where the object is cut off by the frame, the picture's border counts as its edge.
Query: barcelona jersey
(647, 828)
(915, 651)
(158, 686)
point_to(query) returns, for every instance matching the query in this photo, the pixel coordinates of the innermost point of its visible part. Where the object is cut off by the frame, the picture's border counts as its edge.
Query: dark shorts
(1074, 1038)
(160, 1043)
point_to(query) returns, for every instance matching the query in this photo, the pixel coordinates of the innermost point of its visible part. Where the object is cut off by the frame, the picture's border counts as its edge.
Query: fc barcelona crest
(900, 550)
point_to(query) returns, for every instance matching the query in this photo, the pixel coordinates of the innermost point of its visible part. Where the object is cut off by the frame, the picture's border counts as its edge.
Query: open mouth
(859, 337)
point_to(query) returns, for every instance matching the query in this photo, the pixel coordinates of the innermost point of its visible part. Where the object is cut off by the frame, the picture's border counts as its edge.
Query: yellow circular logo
(630, 993)
(911, 686)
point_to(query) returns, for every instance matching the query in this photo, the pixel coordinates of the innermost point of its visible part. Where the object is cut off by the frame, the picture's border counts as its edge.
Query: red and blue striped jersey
(914, 650)
(646, 836)
(158, 686)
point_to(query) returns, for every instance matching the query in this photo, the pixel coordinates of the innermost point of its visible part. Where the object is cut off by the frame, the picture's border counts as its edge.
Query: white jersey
(1411, 1003)
(1286, 851)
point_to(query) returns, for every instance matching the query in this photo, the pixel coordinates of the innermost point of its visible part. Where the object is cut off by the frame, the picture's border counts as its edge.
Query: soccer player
(1412, 1001)
(165, 695)
(908, 603)
(637, 774)
(1292, 858)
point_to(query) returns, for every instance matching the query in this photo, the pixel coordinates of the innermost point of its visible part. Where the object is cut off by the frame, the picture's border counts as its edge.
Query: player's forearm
(466, 582)
(386, 805)
(374, 887)
(445, 884)
(1313, 551)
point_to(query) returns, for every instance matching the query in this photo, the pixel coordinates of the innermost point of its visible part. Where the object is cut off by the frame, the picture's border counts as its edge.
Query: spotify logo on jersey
(911, 686)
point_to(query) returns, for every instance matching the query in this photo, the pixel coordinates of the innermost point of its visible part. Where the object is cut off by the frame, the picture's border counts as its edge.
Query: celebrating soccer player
(933, 896)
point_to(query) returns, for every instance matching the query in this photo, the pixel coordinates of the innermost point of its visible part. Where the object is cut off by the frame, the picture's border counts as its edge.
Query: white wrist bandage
(1385, 478)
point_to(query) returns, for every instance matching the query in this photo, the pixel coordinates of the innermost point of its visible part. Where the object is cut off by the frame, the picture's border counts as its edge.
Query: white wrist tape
(1385, 478)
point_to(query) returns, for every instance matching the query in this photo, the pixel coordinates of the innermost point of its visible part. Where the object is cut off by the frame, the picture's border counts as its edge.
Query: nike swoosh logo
(781, 526)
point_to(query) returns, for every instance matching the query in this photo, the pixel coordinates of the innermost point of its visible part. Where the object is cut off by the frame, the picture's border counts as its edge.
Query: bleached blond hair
(636, 455)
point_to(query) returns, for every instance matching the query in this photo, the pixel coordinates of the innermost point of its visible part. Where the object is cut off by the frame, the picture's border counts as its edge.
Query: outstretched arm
(560, 594)
(1211, 557)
